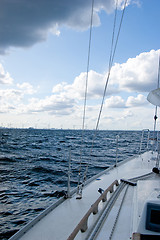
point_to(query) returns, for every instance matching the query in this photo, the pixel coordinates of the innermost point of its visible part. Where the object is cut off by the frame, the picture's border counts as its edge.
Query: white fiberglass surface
(59, 223)
(118, 224)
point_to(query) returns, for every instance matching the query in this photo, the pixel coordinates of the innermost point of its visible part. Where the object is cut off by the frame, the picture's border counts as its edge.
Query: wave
(34, 167)
(7, 159)
(40, 169)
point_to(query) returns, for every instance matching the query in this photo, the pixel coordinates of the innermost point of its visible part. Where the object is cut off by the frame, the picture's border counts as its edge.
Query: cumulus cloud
(137, 74)
(60, 87)
(53, 104)
(96, 83)
(6, 107)
(119, 102)
(24, 23)
(11, 98)
(5, 77)
(26, 87)
(11, 95)
(136, 101)
(115, 102)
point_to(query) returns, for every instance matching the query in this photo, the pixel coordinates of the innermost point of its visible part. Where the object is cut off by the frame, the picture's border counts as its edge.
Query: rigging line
(110, 60)
(125, 4)
(86, 88)
(106, 84)
(110, 66)
(158, 72)
(112, 53)
(88, 62)
(155, 116)
(114, 26)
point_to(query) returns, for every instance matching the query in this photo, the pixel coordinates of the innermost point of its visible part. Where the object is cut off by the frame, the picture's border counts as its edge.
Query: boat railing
(145, 144)
(117, 137)
(143, 140)
(150, 139)
(83, 224)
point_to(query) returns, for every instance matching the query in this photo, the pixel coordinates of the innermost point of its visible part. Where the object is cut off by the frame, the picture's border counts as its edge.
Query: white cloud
(6, 107)
(66, 99)
(5, 77)
(59, 87)
(137, 74)
(119, 102)
(54, 105)
(96, 83)
(11, 100)
(11, 95)
(136, 101)
(115, 102)
(26, 87)
(54, 30)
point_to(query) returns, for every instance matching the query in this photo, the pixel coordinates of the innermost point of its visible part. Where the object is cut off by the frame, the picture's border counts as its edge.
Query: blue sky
(43, 61)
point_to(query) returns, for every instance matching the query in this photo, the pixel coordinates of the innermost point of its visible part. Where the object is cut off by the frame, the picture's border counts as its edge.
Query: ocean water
(34, 166)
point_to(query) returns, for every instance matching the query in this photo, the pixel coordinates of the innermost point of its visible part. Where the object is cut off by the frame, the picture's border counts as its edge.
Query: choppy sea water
(34, 166)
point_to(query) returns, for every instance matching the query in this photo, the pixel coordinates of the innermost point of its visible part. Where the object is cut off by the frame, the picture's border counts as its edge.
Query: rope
(112, 54)
(85, 96)
(114, 225)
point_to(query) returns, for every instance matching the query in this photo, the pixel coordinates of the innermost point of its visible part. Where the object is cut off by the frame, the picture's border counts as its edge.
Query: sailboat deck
(61, 221)
(126, 213)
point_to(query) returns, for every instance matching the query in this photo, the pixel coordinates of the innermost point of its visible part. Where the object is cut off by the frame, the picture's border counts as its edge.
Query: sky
(43, 63)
